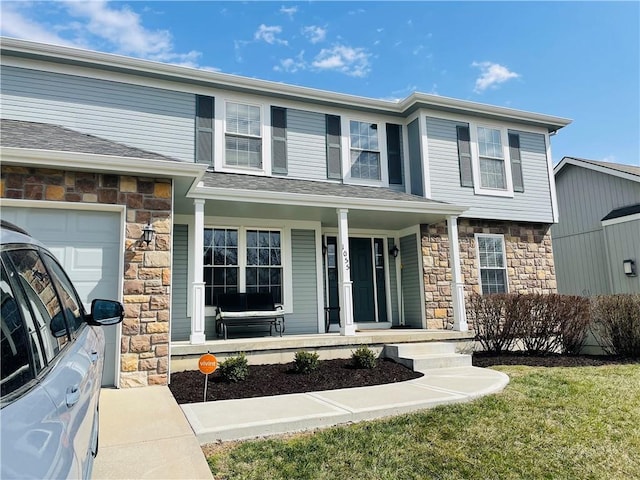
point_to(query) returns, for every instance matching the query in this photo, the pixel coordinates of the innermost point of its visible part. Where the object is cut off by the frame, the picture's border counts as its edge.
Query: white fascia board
(101, 163)
(596, 168)
(624, 219)
(325, 201)
(92, 59)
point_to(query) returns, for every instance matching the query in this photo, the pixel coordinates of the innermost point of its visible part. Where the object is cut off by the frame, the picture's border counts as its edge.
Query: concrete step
(422, 357)
(406, 350)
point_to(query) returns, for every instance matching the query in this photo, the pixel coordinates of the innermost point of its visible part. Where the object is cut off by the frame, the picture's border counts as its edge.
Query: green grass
(549, 423)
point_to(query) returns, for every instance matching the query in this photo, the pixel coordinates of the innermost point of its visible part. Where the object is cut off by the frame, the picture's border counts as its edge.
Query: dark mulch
(280, 379)
(483, 359)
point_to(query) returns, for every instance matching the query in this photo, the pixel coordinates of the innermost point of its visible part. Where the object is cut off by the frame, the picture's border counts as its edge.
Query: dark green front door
(362, 277)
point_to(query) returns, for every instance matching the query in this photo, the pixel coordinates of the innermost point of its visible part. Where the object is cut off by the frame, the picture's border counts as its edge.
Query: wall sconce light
(147, 233)
(394, 251)
(629, 267)
(324, 249)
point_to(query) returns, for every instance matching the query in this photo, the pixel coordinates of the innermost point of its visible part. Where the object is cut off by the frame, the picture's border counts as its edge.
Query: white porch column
(347, 327)
(197, 287)
(457, 286)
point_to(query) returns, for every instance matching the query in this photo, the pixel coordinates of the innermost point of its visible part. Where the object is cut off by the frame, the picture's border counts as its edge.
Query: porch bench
(248, 310)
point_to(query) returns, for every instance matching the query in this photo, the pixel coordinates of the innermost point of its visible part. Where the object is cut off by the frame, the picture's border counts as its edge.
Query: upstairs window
(365, 151)
(492, 262)
(491, 159)
(243, 136)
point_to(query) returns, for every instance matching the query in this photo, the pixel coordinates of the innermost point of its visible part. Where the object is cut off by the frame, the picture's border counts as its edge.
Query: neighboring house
(598, 234)
(388, 212)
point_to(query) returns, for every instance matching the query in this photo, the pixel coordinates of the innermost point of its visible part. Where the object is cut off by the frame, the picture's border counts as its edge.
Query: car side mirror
(106, 312)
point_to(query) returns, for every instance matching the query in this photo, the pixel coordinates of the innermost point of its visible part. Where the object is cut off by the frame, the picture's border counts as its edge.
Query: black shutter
(334, 163)
(204, 129)
(394, 155)
(464, 155)
(516, 163)
(278, 140)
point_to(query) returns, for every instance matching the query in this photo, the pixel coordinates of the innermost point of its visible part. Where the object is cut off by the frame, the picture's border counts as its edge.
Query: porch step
(421, 357)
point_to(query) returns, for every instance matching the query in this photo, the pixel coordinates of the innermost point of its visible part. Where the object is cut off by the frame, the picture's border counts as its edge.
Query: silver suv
(51, 364)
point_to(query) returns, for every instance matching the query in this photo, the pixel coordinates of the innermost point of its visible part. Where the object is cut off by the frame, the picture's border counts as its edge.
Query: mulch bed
(280, 379)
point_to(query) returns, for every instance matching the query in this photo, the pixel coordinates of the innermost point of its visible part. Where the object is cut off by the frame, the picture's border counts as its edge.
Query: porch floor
(263, 350)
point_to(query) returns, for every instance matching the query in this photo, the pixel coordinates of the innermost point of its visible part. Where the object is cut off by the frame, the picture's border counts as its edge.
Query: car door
(33, 442)
(68, 380)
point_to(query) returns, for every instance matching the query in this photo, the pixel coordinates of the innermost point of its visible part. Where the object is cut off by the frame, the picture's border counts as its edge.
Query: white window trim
(475, 160)
(220, 139)
(504, 257)
(346, 151)
(285, 255)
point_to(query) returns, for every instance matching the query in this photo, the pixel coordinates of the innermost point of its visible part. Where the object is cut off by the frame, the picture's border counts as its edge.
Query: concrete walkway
(144, 434)
(257, 417)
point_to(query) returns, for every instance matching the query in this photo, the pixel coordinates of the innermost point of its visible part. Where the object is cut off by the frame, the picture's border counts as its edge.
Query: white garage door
(87, 244)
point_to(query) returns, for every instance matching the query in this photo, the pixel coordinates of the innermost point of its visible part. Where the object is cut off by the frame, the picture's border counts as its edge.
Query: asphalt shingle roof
(623, 212)
(307, 187)
(613, 166)
(46, 136)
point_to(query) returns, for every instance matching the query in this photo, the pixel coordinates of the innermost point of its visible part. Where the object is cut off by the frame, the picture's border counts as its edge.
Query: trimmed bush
(305, 362)
(234, 369)
(364, 357)
(494, 327)
(616, 324)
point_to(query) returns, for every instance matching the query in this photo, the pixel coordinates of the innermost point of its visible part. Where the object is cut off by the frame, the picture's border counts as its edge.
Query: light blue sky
(579, 60)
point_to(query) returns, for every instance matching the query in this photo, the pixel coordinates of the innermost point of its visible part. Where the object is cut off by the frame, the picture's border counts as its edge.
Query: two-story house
(385, 213)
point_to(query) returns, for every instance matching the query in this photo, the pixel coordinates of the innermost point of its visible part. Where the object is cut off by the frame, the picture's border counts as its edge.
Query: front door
(364, 309)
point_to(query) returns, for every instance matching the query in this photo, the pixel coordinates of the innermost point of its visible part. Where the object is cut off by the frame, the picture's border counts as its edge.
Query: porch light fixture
(147, 233)
(394, 251)
(629, 267)
(324, 249)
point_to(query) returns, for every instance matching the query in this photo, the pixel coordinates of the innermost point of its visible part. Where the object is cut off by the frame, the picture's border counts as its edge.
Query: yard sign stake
(207, 364)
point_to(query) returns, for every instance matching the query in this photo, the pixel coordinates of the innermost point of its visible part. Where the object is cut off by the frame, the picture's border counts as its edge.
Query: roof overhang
(595, 167)
(174, 73)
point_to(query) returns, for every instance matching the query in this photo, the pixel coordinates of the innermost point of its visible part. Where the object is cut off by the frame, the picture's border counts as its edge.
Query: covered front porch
(346, 257)
(266, 350)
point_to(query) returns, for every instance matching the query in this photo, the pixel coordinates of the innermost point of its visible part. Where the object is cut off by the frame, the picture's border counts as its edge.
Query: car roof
(10, 233)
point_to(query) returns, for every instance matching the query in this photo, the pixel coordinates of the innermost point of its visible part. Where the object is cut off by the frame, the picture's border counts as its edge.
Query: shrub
(234, 369)
(364, 357)
(575, 322)
(306, 362)
(494, 328)
(616, 324)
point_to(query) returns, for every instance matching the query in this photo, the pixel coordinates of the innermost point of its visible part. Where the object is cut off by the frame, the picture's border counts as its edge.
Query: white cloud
(269, 34)
(491, 75)
(292, 65)
(315, 33)
(289, 11)
(99, 25)
(348, 60)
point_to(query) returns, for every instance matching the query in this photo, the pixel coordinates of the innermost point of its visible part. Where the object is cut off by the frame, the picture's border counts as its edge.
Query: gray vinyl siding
(305, 289)
(410, 277)
(393, 285)
(153, 119)
(415, 158)
(532, 205)
(180, 323)
(306, 145)
(622, 241)
(579, 249)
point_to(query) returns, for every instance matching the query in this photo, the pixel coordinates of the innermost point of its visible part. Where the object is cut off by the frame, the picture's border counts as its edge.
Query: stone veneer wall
(530, 267)
(147, 269)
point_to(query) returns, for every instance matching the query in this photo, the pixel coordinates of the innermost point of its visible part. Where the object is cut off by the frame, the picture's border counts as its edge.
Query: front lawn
(553, 423)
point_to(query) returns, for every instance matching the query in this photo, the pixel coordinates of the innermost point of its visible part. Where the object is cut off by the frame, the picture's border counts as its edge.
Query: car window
(15, 369)
(42, 299)
(72, 307)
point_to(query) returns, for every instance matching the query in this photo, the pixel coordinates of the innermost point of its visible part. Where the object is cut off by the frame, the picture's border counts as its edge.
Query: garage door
(87, 244)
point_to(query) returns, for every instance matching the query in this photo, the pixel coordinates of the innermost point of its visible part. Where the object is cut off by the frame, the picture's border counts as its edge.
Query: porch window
(264, 263)
(243, 138)
(365, 151)
(220, 262)
(493, 265)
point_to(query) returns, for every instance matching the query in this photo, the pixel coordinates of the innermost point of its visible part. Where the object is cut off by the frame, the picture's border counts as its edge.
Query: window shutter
(516, 163)
(394, 155)
(334, 168)
(204, 129)
(279, 140)
(464, 155)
